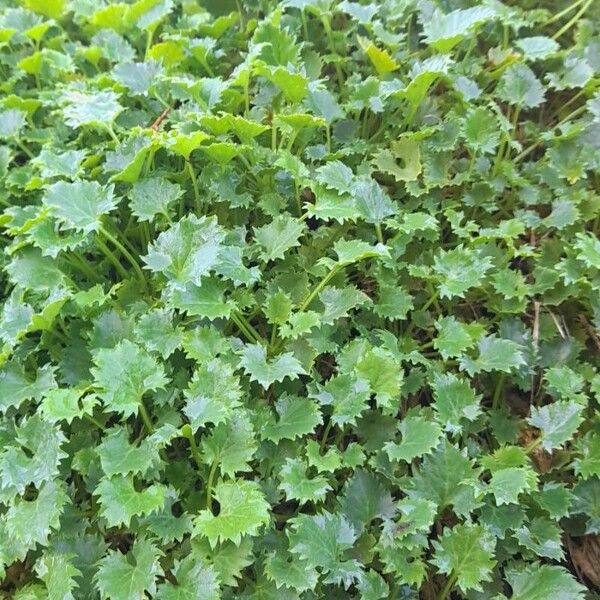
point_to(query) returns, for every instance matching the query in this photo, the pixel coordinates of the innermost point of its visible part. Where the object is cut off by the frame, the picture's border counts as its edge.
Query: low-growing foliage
(300, 299)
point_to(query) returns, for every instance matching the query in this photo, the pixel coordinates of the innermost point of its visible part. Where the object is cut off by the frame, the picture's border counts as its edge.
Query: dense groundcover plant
(300, 299)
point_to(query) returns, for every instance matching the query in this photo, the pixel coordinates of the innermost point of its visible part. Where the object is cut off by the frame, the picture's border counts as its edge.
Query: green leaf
(30, 522)
(120, 501)
(542, 537)
(127, 577)
(278, 237)
(482, 131)
(588, 464)
(459, 270)
(98, 109)
(11, 122)
(444, 31)
(290, 571)
(373, 204)
(347, 396)
(507, 484)
(231, 444)
(365, 498)
(557, 422)
(243, 511)
(186, 251)
(537, 47)
(297, 485)
(66, 404)
(297, 416)
(16, 387)
(402, 160)
(519, 86)
(320, 540)
(123, 375)
(213, 394)
(444, 478)
(57, 572)
(269, 370)
(194, 581)
(455, 402)
(153, 196)
(80, 205)
(336, 176)
(495, 354)
(339, 301)
(539, 582)
(419, 436)
(467, 552)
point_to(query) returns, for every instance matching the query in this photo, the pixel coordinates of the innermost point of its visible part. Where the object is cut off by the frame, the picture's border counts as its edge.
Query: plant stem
(241, 12)
(136, 267)
(209, 483)
(319, 287)
(431, 300)
(573, 21)
(112, 258)
(328, 137)
(533, 445)
(108, 128)
(145, 417)
(187, 433)
(24, 148)
(326, 434)
(149, 36)
(498, 391)
(563, 12)
(244, 326)
(329, 33)
(273, 133)
(93, 421)
(379, 233)
(197, 203)
(535, 145)
(448, 587)
(79, 263)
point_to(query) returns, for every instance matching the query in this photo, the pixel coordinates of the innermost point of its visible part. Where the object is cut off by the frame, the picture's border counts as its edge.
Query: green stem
(112, 258)
(562, 13)
(209, 483)
(149, 37)
(93, 421)
(273, 337)
(241, 12)
(244, 326)
(328, 137)
(573, 21)
(80, 264)
(111, 132)
(431, 300)
(192, 173)
(304, 24)
(329, 33)
(187, 432)
(115, 242)
(319, 287)
(24, 148)
(145, 417)
(498, 391)
(533, 445)
(535, 145)
(247, 96)
(379, 233)
(448, 587)
(273, 133)
(326, 434)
